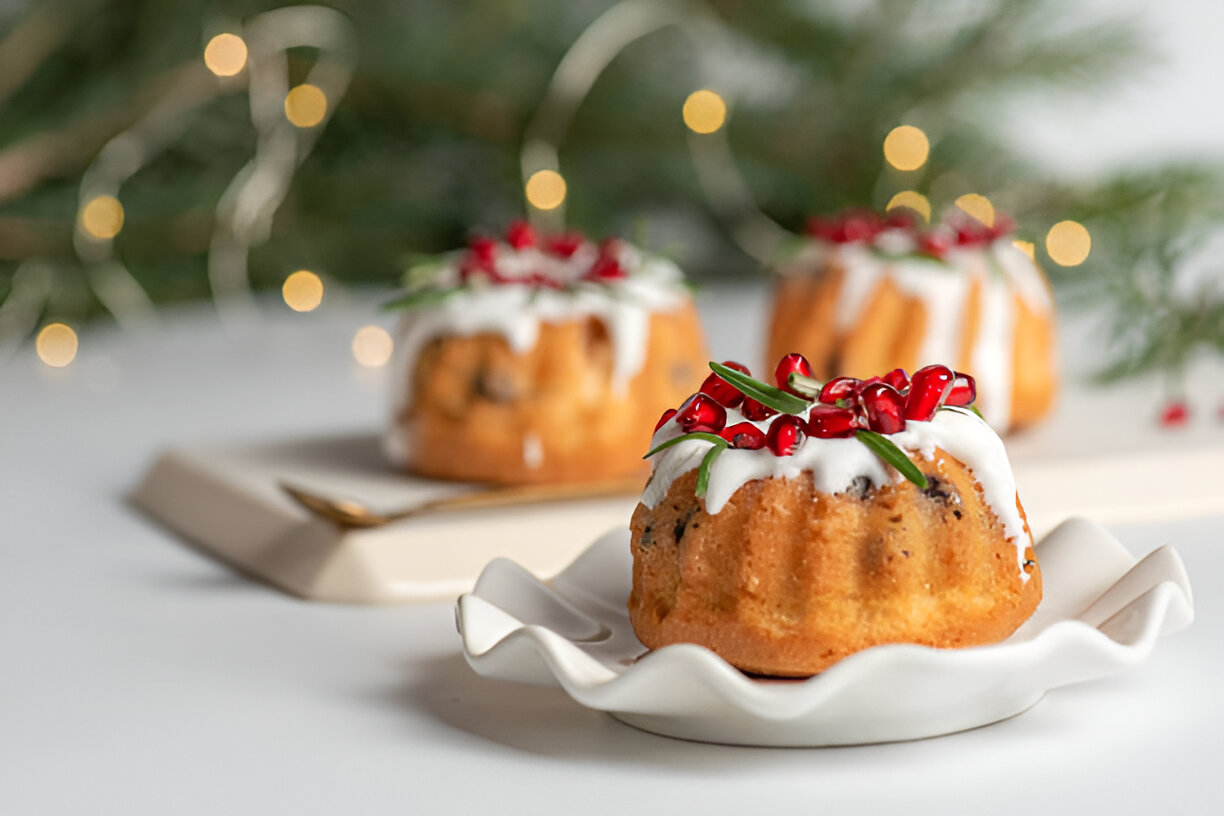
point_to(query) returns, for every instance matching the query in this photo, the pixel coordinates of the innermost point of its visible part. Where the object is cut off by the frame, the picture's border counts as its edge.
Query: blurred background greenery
(423, 145)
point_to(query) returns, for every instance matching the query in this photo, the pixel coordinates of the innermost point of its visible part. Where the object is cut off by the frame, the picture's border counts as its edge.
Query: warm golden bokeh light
(225, 54)
(1068, 243)
(372, 346)
(704, 111)
(305, 105)
(906, 147)
(1027, 248)
(545, 189)
(911, 200)
(56, 345)
(303, 291)
(977, 206)
(102, 217)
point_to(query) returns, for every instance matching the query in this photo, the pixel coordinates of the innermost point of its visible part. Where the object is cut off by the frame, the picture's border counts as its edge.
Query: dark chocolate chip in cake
(860, 487)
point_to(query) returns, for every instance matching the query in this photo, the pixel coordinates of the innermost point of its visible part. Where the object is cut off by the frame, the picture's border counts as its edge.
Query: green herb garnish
(703, 472)
(805, 385)
(887, 450)
(423, 270)
(708, 437)
(767, 395)
(421, 297)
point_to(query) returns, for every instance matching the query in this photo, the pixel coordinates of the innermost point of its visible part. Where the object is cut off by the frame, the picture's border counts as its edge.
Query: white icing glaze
(515, 312)
(943, 287)
(836, 463)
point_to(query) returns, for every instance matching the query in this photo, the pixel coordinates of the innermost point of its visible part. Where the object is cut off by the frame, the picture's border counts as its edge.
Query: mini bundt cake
(787, 528)
(867, 294)
(539, 359)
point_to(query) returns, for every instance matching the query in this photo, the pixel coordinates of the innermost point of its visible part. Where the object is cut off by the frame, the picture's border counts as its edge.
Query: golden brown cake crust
(889, 335)
(786, 580)
(480, 412)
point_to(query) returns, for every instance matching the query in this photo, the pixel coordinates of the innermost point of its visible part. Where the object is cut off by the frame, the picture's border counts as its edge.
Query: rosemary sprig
(424, 270)
(421, 297)
(767, 395)
(708, 437)
(807, 386)
(703, 472)
(887, 450)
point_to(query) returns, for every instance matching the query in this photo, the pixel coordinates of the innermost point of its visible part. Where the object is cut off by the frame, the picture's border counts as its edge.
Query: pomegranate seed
(858, 389)
(885, 407)
(483, 250)
(928, 388)
(611, 247)
(963, 391)
(858, 227)
(935, 244)
(897, 378)
(606, 269)
(972, 234)
(822, 228)
(721, 390)
(663, 420)
(828, 422)
(785, 435)
(566, 245)
(743, 435)
(839, 388)
(756, 411)
(1174, 415)
(701, 413)
(520, 235)
(1003, 225)
(899, 219)
(791, 364)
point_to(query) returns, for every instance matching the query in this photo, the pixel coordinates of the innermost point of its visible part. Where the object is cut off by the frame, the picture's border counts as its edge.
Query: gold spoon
(352, 513)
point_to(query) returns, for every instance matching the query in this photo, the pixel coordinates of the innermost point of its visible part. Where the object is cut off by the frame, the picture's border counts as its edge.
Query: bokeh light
(303, 291)
(704, 111)
(911, 200)
(545, 189)
(372, 346)
(56, 345)
(102, 217)
(225, 54)
(906, 147)
(305, 105)
(1068, 243)
(1027, 247)
(977, 206)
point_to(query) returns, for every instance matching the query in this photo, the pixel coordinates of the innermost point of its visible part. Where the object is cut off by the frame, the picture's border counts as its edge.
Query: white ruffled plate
(1101, 613)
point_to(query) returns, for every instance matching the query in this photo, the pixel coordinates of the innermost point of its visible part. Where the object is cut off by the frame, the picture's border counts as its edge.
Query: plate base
(753, 732)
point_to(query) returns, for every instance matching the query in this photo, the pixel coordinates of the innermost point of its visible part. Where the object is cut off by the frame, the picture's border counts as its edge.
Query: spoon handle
(524, 494)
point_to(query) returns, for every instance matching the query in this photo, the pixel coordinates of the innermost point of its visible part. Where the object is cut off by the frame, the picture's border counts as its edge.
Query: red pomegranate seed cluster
(481, 257)
(863, 226)
(843, 407)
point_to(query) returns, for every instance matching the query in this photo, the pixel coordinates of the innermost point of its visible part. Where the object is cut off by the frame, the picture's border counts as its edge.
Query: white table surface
(138, 675)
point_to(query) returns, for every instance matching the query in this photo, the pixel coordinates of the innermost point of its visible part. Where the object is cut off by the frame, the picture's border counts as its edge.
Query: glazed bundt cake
(539, 359)
(787, 528)
(868, 293)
